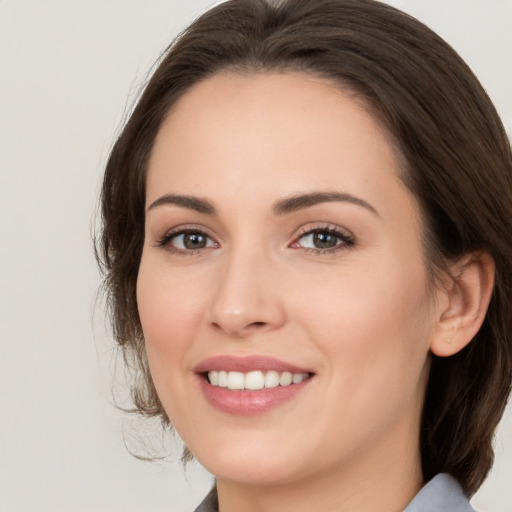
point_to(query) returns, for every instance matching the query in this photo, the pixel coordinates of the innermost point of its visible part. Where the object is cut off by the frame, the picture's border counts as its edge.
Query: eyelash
(347, 240)
(165, 240)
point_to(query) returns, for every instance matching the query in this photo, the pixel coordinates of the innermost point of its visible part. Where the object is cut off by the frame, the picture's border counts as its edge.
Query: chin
(255, 466)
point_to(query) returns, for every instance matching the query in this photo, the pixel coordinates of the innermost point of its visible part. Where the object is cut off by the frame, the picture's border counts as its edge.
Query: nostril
(257, 324)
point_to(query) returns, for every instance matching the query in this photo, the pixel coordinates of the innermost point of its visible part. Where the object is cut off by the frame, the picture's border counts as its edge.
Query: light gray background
(69, 68)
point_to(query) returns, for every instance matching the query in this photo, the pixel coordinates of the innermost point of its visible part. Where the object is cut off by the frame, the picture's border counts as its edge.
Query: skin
(361, 316)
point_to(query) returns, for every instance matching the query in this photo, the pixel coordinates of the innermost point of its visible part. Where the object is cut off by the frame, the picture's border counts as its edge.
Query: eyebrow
(298, 202)
(281, 207)
(189, 202)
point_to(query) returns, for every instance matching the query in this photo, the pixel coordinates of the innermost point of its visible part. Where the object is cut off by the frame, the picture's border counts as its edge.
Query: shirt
(443, 493)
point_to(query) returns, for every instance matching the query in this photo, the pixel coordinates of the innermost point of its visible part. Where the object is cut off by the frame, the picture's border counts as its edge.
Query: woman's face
(280, 246)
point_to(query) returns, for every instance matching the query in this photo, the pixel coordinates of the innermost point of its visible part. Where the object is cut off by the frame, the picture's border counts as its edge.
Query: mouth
(250, 385)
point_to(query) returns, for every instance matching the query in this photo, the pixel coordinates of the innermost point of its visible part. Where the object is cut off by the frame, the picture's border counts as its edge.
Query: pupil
(324, 240)
(194, 241)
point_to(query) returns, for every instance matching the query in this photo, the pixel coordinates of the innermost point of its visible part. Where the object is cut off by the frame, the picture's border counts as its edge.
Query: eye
(324, 240)
(187, 240)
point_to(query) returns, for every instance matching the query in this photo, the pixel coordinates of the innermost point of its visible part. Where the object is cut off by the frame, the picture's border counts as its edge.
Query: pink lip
(247, 403)
(246, 364)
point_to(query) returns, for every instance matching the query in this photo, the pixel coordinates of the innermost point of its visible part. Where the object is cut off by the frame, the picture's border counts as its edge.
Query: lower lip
(248, 403)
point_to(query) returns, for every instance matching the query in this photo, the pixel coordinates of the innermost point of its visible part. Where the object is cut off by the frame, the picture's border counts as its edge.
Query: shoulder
(442, 493)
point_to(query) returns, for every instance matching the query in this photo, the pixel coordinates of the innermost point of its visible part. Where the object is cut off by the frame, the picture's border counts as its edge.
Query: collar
(442, 493)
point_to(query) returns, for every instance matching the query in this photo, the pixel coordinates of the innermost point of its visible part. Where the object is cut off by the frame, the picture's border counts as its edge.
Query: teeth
(254, 380)
(285, 379)
(272, 379)
(214, 378)
(236, 380)
(223, 380)
(299, 377)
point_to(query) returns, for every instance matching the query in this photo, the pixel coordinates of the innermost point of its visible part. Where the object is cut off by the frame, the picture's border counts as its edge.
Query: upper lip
(246, 364)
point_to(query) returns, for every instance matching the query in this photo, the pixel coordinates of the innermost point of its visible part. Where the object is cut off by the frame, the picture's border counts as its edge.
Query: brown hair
(458, 162)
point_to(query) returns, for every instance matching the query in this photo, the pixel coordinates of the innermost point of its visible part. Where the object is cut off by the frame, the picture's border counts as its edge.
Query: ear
(462, 303)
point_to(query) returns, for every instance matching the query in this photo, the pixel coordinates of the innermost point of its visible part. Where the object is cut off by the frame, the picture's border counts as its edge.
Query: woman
(307, 249)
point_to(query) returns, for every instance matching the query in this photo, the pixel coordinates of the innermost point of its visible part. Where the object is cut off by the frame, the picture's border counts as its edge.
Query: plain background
(69, 71)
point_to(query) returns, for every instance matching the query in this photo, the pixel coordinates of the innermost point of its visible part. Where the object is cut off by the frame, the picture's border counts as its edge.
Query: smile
(254, 380)
(250, 385)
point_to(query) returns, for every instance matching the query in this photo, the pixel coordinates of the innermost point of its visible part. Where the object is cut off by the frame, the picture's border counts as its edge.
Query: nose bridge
(247, 296)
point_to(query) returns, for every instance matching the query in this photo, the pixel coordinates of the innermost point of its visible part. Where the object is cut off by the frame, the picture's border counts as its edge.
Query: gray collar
(443, 493)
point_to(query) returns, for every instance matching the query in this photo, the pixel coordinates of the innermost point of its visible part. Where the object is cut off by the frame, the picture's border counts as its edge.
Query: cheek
(372, 322)
(373, 331)
(168, 311)
(372, 297)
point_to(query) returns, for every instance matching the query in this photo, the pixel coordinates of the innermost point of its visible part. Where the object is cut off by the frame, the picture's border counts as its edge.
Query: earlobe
(465, 301)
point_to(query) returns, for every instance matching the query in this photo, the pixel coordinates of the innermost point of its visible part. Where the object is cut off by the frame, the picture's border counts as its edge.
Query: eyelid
(347, 238)
(165, 239)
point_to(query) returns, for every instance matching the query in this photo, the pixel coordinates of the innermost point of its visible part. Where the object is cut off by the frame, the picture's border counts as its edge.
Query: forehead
(274, 133)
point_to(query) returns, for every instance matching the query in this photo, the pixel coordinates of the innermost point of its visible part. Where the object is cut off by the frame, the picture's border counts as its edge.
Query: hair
(458, 165)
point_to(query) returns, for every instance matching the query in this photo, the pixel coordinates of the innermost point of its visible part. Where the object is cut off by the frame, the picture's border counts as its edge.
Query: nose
(248, 297)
